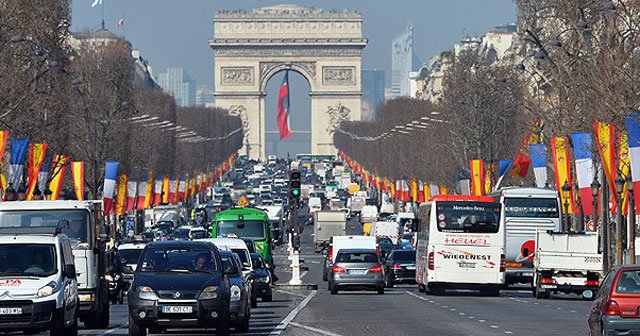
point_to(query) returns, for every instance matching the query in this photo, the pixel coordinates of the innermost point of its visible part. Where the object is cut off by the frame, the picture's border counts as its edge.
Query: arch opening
(299, 114)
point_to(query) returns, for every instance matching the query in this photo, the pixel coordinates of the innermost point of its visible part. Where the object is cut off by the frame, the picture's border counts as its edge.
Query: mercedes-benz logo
(177, 295)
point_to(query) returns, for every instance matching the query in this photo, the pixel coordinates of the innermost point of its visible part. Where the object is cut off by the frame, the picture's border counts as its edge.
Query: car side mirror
(231, 270)
(70, 271)
(127, 269)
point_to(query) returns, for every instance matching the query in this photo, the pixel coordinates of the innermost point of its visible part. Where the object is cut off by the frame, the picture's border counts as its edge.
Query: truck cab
(87, 235)
(38, 280)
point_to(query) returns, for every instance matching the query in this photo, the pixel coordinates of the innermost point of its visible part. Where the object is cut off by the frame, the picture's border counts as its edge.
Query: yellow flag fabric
(77, 172)
(561, 165)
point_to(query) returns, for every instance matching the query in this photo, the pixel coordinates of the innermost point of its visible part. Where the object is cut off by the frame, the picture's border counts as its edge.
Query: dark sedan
(179, 284)
(400, 267)
(264, 278)
(240, 309)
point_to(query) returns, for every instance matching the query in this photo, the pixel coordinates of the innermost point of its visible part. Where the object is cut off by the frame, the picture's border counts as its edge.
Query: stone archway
(325, 47)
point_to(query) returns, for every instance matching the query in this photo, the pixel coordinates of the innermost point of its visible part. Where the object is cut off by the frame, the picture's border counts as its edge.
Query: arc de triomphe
(323, 46)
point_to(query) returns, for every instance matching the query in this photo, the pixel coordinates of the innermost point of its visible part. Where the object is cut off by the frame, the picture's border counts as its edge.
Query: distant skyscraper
(403, 61)
(177, 82)
(372, 92)
(204, 96)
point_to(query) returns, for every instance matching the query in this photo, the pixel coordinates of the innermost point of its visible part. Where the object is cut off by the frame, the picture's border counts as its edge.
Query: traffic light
(294, 184)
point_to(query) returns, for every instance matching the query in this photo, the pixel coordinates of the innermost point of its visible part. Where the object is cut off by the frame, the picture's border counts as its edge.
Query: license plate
(465, 265)
(358, 272)
(548, 286)
(527, 274)
(10, 311)
(177, 309)
(411, 268)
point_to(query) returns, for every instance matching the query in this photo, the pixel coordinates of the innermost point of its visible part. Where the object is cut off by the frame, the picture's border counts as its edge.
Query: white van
(350, 242)
(526, 211)
(235, 245)
(42, 279)
(461, 245)
(389, 230)
(315, 205)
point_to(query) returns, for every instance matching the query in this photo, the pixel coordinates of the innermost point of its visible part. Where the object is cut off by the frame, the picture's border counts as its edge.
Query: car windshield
(468, 217)
(244, 257)
(181, 234)
(257, 262)
(178, 260)
(629, 282)
(366, 257)
(27, 260)
(403, 256)
(130, 256)
(531, 207)
(198, 234)
(244, 229)
(78, 230)
(385, 245)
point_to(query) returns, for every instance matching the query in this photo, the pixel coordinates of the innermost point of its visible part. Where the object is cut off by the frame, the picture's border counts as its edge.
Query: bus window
(466, 218)
(531, 207)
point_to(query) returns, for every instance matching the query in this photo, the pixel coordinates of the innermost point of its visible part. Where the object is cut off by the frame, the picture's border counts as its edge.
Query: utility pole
(294, 226)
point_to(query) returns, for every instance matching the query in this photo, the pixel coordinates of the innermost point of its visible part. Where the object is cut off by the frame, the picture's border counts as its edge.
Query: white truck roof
(527, 192)
(28, 239)
(273, 211)
(132, 246)
(47, 205)
(358, 242)
(233, 243)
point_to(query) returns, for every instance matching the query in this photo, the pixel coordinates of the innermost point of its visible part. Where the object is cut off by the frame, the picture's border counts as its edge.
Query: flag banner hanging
(582, 143)
(444, 190)
(488, 177)
(36, 158)
(172, 191)
(420, 195)
(605, 138)
(414, 191)
(149, 194)
(120, 23)
(77, 172)
(624, 167)
(19, 148)
(561, 165)
(121, 196)
(465, 186)
(406, 193)
(58, 169)
(427, 192)
(4, 136)
(521, 166)
(182, 188)
(538, 154)
(110, 177)
(132, 191)
(141, 196)
(633, 139)
(503, 167)
(434, 190)
(187, 187)
(165, 190)
(282, 117)
(157, 192)
(476, 171)
(43, 177)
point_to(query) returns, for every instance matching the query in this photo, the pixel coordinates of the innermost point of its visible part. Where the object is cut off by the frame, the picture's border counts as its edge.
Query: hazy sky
(175, 33)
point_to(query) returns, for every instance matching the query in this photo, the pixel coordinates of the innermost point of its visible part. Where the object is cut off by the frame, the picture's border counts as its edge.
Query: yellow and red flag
(562, 168)
(36, 157)
(77, 172)
(57, 175)
(414, 191)
(476, 169)
(121, 197)
(444, 190)
(165, 189)
(605, 138)
(624, 166)
(148, 196)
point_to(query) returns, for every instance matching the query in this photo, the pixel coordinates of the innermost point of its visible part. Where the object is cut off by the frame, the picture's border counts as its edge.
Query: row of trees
(77, 94)
(573, 62)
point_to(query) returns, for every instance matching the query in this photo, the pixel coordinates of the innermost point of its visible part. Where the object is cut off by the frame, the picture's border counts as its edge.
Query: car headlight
(48, 290)
(235, 293)
(146, 293)
(209, 293)
(264, 279)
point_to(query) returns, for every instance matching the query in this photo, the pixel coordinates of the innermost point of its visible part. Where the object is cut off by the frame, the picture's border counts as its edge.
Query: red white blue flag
(283, 108)
(110, 177)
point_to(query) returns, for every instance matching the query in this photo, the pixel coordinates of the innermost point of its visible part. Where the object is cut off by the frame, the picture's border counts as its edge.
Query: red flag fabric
(283, 108)
(521, 165)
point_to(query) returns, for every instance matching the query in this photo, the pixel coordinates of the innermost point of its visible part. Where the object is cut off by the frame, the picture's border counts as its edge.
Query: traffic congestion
(211, 262)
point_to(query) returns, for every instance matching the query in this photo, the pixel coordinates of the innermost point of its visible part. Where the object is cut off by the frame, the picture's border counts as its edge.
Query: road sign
(243, 202)
(591, 227)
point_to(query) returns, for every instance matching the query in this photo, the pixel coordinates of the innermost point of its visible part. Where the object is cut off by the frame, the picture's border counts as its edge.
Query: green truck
(245, 223)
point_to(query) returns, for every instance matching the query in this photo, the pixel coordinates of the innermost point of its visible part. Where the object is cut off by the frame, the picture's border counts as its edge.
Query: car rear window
(356, 257)
(403, 255)
(629, 282)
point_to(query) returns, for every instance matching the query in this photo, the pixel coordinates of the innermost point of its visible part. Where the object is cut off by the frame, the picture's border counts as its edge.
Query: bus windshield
(468, 217)
(531, 207)
(245, 229)
(78, 230)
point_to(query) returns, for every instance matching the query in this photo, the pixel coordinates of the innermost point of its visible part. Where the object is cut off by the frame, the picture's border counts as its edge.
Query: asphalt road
(400, 311)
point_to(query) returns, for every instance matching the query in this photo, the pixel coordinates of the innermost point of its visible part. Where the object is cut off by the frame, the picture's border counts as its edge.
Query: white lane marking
(314, 261)
(508, 332)
(472, 317)
(494, 326)
(283, 325)
(114, 329)
(303, 274)
(462, 314)
(573, 311)
(290, 293)
(482, 321)
(315, 330)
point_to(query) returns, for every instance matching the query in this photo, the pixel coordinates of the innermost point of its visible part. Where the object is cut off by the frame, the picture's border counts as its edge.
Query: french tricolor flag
(19, 149)
(132, 187)
(584, 169)
(633, 138)
(182, 187)
(538, 153)
(110, 177)
(142, 193)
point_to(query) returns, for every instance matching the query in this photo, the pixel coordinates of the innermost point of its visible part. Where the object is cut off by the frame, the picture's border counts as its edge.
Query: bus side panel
(467, 264)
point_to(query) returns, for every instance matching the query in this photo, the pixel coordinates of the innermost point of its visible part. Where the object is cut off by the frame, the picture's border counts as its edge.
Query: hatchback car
(264, 278)
(616, 308)
(240, 307)
(356, 269)
(400, 267)
(179, 284)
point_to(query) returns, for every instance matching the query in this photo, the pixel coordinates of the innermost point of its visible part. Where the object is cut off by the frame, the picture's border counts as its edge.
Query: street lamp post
(576, 190)
(566, 189)
(632, 221)
(619, 182)
(595, 188)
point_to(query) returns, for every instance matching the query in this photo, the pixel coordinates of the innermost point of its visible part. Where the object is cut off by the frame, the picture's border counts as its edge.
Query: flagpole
(102, 10)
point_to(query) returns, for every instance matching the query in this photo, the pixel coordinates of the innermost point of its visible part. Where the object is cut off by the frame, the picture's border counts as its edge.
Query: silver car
(356, 269)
